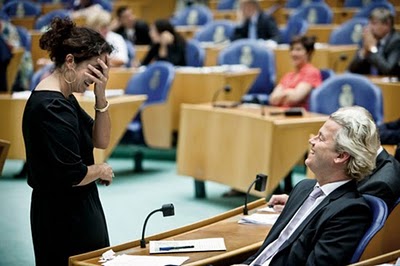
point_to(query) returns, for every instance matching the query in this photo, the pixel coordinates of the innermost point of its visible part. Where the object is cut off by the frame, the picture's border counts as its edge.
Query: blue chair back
(155, 81)
(379, 214)
(216, 31)
(255, 55)
(193, 15)
(226, 4)
(299, 3)
(25, 37)
(315, 13)
(194, 54)
(349, 32)
(359, 3)
(326, 73)
(19, 8)
(295, 26)
(347, 90)
(43, 22)
(366, 11)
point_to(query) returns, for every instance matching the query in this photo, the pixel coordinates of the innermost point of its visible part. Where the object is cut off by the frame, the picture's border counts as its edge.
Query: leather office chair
(366, 11)
(18, 8)
(379, 215)
(216, 31)
(194, 15)
(349, 32)
(347, 90)
(295, 26)
(252, 54)
(314, 13)
(195, 54)
(44, 20)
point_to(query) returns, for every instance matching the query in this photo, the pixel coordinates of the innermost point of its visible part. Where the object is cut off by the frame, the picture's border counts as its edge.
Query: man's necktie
(374, 69)
(287, 232)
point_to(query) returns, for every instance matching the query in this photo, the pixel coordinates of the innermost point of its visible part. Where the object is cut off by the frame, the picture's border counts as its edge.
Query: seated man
(380, 52)
(324, 219)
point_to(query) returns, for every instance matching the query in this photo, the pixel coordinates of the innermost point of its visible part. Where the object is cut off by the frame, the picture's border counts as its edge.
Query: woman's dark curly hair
(64, 37)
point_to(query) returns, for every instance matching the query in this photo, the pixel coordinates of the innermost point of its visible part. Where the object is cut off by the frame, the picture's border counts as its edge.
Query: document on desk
(259, 218)
(134, 260)
(172, 246)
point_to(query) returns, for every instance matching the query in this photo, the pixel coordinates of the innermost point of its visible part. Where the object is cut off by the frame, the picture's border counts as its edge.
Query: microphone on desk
(342, 57)
(226, 89)
(260, 181)
(166, 209)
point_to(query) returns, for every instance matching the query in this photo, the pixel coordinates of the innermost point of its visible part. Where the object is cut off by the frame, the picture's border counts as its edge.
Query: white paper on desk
(266, 209)
(259, 218)
(205, 244)
(133, 260)
(109, 93)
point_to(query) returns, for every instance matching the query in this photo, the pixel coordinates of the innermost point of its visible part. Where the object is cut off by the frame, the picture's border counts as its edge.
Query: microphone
(166, 209)
(342, 57)
(260, 182)
(226, 89)
(293, 111)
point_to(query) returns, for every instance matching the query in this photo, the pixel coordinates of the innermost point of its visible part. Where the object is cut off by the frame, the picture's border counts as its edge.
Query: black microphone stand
(167, 210)
(260, 182)
(226, 88)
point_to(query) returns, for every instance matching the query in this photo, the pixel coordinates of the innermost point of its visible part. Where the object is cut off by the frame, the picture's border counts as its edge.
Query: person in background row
(100, 22)
(390, 135)
(168, 45)
(295, 87)
(380, 52)
(130, 28)
(67, 217)
(256, 24)
(324, 219)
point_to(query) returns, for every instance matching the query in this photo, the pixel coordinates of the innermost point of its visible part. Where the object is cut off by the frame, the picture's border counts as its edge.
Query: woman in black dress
(66, 214)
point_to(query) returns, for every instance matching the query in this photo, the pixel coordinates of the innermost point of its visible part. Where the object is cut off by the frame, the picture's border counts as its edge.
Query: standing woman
(66, 213)
(167, 45)
(294, 87)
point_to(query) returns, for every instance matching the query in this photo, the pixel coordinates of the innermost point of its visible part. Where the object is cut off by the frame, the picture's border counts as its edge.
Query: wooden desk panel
(389, 258)
(321, 31)
(230, 146)
(391, 96)
(240, 240)
(122, 110)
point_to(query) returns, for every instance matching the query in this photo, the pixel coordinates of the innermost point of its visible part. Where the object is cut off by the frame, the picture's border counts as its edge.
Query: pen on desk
(178, 247)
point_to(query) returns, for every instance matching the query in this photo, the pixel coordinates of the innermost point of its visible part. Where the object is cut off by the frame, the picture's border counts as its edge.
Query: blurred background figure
(130, 28)
(380, 53)
(5, 57)
(167, 45)
(295, 87)
(83, 8)
(100, 22)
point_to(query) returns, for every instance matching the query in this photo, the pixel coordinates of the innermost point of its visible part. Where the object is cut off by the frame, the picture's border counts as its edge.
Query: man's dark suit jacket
(141, 36)
(329, 235)
(386, 62)
(384, 182)
(266, 29)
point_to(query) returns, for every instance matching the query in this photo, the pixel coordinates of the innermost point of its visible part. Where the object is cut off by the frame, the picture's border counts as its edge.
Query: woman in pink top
(294, 87)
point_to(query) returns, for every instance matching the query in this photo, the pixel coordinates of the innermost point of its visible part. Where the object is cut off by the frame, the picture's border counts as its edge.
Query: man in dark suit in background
(256, 24)
(380, 53)
(131, 28)
(327, 230)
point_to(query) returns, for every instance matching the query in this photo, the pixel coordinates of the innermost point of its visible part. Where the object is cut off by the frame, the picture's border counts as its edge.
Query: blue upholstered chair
(295, 26)
(193, 15)
(40, 74)
(25, 38)
(326, 73)
(315, 13)
(299, 3)
(195, 54)
(226, 4)
(155, 82)
(349, 32)
(216, 31)
(359, 3)
(44, 20)
(366, 10)
(379, 215)
(21, 8)
(255, 55)
(347, 90)
(131, 52)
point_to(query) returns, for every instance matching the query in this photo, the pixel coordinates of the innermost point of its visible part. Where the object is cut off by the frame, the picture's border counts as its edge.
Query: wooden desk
(390, 258)
(122, 110)
(336, 57)
(187, 32)
(321, 31)
(27, 22)
(241, 240)
(391, 96)
(230, 146)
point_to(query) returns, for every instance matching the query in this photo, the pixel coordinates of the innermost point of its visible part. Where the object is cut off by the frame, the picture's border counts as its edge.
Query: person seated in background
(130, 28)
(380, 52)
(167, 45)
(324, 219)
(100, 22)
(256, 24)
(295, 87)
(390, 135)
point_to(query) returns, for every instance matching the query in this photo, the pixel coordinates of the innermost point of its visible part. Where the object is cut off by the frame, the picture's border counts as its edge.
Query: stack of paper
(130, 260)
(259, 218)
